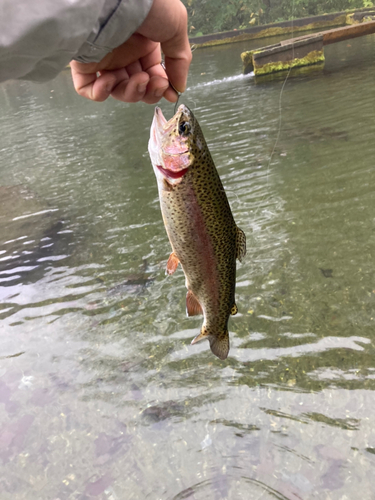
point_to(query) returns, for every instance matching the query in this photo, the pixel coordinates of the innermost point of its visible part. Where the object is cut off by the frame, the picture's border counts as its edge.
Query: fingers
(139, 86)
(167, 24)
(142, 78)
(122, 86)
(131, 84)
(134, 89)
(177, 68)
(132, 71)
(91, 86)
(131, 89)
(159, 86)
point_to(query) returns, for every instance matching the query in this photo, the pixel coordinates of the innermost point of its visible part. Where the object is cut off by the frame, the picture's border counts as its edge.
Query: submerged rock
(29, 230)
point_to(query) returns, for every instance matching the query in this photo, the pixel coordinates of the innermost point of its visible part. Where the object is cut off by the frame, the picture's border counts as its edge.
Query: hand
(132, 72)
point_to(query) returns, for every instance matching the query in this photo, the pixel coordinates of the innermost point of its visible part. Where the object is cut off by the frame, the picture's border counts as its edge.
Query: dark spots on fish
(203, 180)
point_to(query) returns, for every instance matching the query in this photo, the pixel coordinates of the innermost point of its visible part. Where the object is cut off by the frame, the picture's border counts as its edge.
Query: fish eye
(184, 128)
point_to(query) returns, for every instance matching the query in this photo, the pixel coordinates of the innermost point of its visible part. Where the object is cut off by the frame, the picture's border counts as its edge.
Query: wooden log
(281, 56)
(300, 51)
(273, 29)
(338, 34)
(348, 32)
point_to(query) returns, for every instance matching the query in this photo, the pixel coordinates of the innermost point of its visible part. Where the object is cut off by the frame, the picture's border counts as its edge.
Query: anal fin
(193, 307)
(172, 263)
(201, 336)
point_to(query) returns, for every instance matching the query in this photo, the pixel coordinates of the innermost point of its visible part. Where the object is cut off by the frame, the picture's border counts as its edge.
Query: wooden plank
(338, 34)
(287, 52)
(294, 52)
(348, 32)
(306, 23)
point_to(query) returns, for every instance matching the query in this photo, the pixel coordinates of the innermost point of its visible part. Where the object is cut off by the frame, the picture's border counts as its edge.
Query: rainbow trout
(204, 237)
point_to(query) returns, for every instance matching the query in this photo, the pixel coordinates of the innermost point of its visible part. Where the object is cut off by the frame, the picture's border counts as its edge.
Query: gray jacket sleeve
(38, 38)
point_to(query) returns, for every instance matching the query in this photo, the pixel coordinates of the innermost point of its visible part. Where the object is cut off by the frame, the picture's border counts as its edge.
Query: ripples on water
(101, 394)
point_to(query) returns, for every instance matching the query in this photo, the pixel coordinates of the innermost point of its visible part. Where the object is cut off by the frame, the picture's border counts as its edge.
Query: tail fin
(219, 343)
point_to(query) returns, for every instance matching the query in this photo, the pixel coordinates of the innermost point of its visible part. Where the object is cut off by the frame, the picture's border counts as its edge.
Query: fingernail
(160, 92)
(141, 87)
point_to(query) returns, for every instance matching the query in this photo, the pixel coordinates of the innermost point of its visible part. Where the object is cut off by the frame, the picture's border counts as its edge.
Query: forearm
(38, 38)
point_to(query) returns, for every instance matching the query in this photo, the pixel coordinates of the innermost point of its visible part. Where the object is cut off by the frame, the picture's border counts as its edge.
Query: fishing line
(195, 104)
(280, 98)
(171, 85)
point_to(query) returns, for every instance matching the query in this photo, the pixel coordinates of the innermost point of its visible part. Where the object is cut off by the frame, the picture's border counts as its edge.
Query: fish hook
(192, 48)
(174, 88)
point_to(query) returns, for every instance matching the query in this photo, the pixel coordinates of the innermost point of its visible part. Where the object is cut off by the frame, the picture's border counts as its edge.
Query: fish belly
(207, 259)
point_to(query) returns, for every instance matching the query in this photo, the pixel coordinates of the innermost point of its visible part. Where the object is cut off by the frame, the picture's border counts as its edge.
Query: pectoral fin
(193, 307)
(172, 263)
(240, 244)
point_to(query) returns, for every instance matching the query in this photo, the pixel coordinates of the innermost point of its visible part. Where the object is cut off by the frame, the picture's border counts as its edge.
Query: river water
(101, 394)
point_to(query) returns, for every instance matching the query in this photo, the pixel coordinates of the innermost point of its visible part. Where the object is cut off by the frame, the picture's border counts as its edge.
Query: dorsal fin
(240, 244)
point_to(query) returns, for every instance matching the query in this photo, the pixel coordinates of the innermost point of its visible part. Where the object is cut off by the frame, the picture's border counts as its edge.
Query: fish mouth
(160, 119)
(162, 127)
(172, 173)
(169, 152)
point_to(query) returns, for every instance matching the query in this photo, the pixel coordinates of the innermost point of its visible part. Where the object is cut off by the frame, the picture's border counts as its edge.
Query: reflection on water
(101, 394)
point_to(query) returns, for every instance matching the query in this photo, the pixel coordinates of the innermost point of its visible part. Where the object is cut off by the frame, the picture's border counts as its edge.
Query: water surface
(101, 394)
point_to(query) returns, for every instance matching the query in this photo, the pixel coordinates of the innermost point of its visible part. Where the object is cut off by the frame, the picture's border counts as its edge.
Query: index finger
(167, 24)
(177, 60)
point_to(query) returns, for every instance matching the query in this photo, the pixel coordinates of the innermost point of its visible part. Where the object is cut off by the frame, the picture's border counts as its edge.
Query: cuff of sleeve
(114, 30)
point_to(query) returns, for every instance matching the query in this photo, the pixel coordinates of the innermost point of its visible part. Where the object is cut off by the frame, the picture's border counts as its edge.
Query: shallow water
(101, 394)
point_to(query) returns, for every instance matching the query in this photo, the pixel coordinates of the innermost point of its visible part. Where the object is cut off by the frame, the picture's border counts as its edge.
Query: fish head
(171, 144)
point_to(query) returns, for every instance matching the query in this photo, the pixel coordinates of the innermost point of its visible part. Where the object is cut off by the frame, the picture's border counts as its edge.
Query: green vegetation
(212, 16)
(312, 57)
